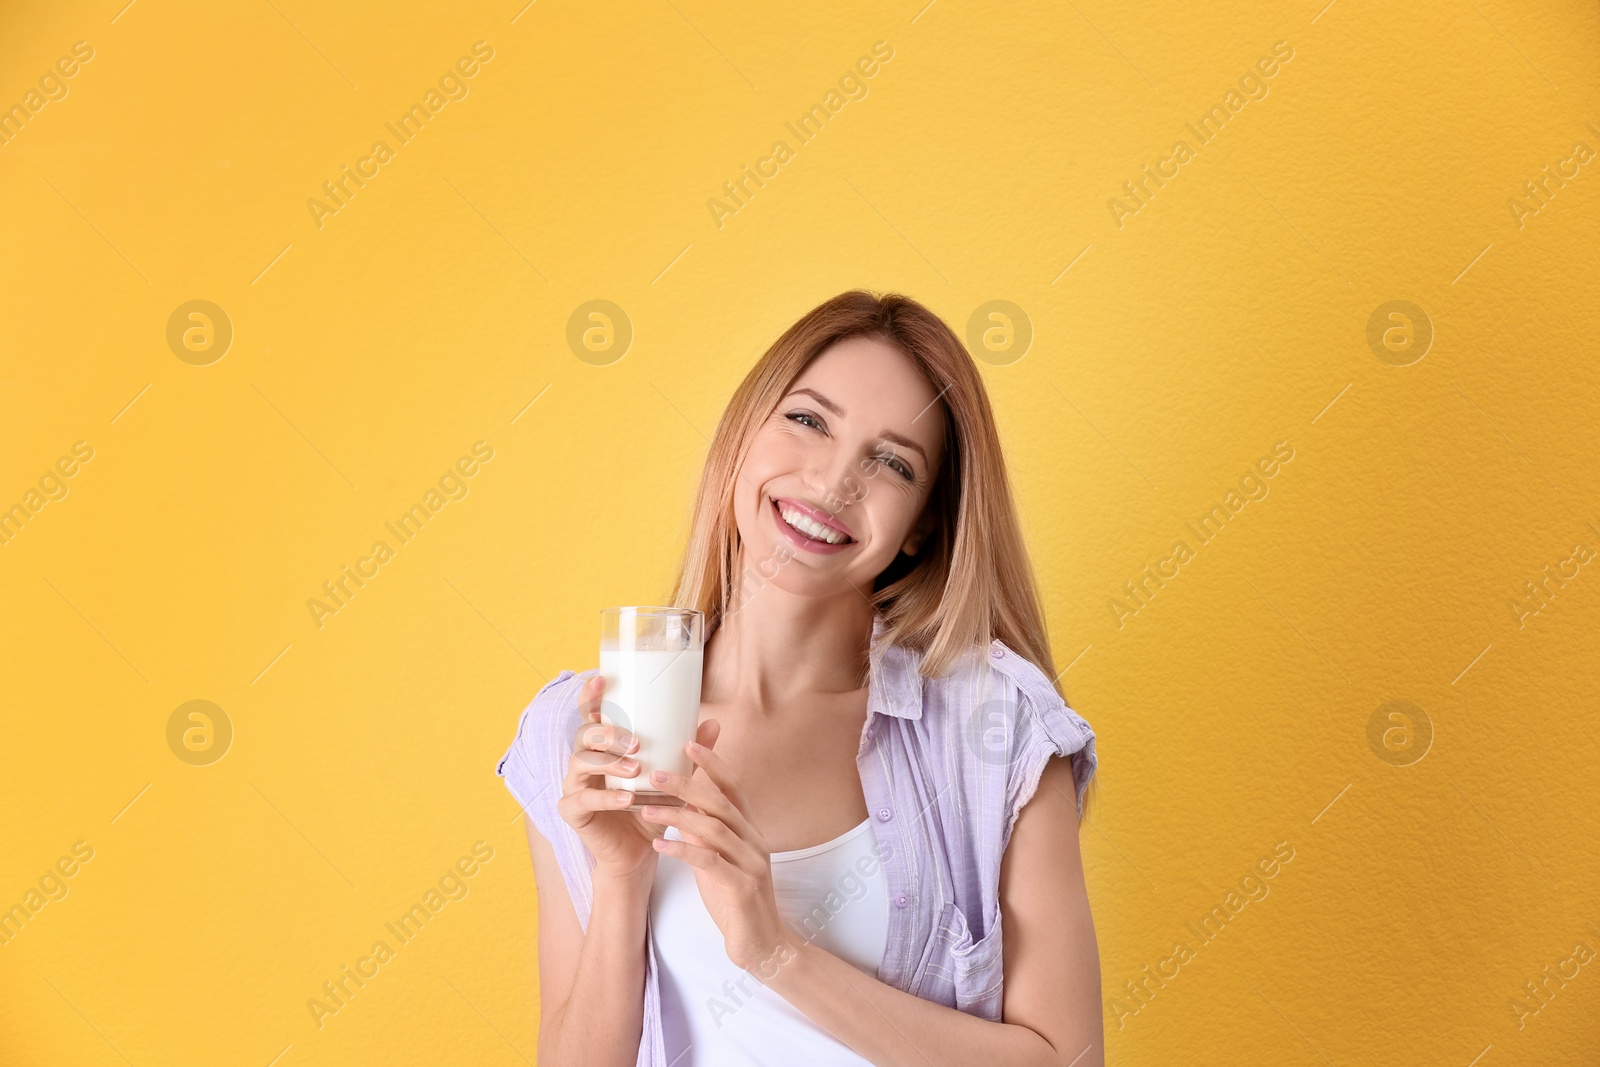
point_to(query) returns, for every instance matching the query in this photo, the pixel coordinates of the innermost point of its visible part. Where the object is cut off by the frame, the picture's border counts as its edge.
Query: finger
(625, 767)
(586, 767)
(576, 808)
(719, 771)
(694, 855)
(589, 697)
(602, 738)
(708, 732)
(705, 831)
(705, 795)
(706, 859)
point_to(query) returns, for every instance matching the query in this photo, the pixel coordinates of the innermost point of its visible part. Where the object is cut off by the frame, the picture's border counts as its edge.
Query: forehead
(877, 385)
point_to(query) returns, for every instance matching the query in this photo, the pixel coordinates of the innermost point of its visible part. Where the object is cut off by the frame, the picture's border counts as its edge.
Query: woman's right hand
(618, 839)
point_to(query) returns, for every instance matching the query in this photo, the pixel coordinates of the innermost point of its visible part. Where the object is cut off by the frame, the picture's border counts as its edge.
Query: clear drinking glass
(651, 658)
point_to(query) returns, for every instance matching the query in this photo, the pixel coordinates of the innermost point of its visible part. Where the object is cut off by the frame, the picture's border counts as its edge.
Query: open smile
(802, 527)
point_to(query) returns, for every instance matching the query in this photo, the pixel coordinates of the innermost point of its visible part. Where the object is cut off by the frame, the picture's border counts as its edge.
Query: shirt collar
(894, 687)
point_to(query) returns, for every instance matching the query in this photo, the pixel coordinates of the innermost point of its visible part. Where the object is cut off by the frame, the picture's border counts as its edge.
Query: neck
(776, 648)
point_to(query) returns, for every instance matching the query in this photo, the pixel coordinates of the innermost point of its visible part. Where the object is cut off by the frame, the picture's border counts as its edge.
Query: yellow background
(1229, 313)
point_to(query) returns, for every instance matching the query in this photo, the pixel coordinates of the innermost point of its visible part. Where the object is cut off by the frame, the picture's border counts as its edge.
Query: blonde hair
(971, 580)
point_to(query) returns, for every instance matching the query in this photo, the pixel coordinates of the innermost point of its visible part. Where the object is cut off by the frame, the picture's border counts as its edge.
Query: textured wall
(1355, 671)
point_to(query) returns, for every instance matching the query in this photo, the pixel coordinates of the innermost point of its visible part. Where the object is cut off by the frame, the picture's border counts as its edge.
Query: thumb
(590, 696)
(708, 732)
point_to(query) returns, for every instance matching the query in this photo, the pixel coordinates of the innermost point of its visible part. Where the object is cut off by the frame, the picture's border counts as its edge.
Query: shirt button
(997, 652)
(883, 814)
(900, 901)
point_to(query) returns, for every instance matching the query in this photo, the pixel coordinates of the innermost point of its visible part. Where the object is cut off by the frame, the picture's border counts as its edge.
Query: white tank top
(713, 1013)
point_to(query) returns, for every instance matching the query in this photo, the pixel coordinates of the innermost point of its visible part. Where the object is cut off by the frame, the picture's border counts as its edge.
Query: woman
(877, 860)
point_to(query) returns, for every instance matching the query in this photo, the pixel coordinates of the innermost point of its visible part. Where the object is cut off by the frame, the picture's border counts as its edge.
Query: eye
(798, 415)
(889, 459)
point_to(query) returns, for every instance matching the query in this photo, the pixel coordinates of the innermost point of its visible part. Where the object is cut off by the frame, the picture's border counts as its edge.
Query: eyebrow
(887, 435)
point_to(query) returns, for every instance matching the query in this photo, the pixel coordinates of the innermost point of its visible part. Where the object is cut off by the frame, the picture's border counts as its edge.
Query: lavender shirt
(946, 765)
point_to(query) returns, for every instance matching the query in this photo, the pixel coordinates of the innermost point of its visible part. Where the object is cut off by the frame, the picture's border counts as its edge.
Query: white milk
(656, 695)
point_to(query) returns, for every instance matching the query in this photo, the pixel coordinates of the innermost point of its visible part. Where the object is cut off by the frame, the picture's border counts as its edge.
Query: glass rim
(650, 609)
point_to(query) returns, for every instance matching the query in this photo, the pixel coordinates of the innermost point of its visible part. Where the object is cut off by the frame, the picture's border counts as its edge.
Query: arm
(1052, 965)
(591, 986)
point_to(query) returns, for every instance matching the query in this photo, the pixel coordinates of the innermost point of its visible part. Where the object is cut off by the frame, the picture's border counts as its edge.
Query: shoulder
(1012, 720)
(533, 769)
(1039, 699)
(555, 700)
(541, 748)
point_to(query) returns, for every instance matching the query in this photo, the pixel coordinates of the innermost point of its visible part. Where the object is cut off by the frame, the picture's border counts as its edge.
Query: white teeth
(810, 526)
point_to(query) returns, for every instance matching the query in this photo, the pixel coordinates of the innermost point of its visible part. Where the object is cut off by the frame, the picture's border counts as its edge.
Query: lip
(819, 516)
(800, 540)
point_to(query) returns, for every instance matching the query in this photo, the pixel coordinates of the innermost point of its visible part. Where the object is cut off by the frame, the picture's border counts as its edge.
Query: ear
(919, 533)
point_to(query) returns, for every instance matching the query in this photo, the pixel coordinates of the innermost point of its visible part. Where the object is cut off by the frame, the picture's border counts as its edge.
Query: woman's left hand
(731, 862)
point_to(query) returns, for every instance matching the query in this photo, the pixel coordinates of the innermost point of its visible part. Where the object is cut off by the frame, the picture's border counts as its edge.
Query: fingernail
(628, 764)
(658, 777)
(633, 744)
(622, 797)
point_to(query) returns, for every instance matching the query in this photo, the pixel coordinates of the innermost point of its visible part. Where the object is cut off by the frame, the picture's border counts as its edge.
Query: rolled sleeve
(533, 768)
(1046, 727)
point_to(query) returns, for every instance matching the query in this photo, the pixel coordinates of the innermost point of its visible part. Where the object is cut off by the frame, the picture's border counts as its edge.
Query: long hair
(971, 580)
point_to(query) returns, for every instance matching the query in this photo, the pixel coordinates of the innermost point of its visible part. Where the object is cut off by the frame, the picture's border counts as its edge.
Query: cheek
(889, 511)
(747, 501)
(773, 456)
(772, 452)
(778, 451)
(750, 487)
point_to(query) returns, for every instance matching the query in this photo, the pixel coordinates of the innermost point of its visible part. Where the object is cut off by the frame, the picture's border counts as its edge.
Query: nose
(836, 479)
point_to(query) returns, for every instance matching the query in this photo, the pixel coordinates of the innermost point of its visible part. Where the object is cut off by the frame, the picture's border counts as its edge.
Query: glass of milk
(651, 659)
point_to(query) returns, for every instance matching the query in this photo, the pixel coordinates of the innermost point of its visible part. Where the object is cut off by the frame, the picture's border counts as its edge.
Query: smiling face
(837, 479)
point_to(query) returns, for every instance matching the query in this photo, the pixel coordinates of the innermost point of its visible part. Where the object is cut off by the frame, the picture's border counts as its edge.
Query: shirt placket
(905, 864)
